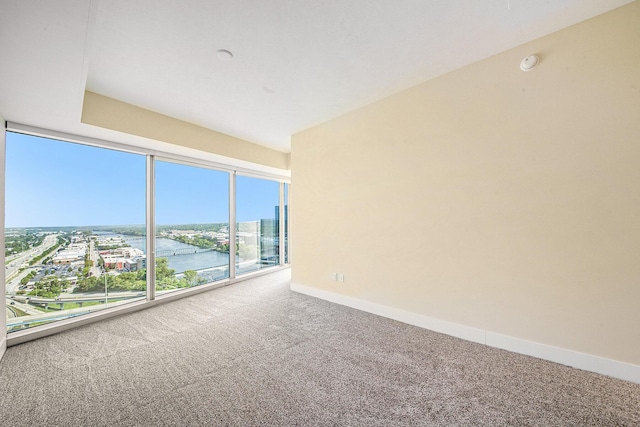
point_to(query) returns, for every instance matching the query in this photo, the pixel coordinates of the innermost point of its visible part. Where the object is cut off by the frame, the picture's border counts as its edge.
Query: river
(180, 263)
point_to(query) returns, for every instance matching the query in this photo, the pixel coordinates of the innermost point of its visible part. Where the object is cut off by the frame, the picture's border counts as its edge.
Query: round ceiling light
(224, 55)
(529, 62)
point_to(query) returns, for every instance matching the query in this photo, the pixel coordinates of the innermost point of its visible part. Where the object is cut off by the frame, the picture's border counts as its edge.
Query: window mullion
(281, 241)
(232, 226)
(151, 229)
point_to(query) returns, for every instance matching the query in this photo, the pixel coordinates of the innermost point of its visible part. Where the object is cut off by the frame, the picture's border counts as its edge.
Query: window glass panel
(286, 223)
(192, 226)
(257, 204)
(71, 213)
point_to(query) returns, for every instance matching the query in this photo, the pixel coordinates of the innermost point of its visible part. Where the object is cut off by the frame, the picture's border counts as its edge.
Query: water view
(180, 256)
(57, 273)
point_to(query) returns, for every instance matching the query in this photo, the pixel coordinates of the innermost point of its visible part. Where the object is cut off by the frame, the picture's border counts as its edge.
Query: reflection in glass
(257, 212)
(286, 223)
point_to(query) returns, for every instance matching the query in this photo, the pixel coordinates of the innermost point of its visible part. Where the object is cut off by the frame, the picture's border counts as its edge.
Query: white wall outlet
(334, 277)
(340, 277)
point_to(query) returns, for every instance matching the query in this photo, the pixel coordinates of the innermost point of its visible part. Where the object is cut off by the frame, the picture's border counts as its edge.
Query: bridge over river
(163, 253)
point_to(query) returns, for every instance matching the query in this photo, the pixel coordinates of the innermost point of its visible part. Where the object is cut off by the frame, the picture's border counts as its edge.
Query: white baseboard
(584, 361)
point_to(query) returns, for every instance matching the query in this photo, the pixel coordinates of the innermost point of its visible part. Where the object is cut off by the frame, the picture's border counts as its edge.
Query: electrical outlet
(334, 277)
(341, 277)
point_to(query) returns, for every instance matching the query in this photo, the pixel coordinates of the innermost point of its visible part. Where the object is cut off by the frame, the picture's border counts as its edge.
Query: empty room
(433, 211)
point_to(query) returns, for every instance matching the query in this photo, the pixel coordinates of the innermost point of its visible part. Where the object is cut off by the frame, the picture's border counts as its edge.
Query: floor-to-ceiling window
(84, 219)
(192, 226)
(73, 215)
(257, 230)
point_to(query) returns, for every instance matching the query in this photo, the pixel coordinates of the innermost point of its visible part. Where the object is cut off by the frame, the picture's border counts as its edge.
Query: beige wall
(490, 197)
(116, 115)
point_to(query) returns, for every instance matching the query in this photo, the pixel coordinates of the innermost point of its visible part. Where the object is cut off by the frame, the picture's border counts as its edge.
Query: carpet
(256, 354)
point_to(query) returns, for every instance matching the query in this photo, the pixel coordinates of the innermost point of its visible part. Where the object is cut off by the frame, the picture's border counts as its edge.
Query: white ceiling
(296, 63)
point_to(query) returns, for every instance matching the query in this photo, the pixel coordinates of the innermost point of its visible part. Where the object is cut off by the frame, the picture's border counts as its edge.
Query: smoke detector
(529, 62)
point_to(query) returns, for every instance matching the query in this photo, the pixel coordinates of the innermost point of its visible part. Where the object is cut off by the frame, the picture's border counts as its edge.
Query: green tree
(88, 284)
(190, 276)
(47, 287)
(165, 276)
(162, 269)
(28, 277)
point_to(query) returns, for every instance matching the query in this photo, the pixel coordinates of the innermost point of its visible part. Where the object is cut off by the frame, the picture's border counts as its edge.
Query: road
(13, 285)
(15, 263)
(20, 303)
(36, 316)
(24, 307)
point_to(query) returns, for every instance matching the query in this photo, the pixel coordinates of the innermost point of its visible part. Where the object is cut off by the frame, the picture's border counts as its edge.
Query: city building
(110, 241)
(141, 263)
(496, 145)
(75, 252)
(130, 264)
(122, 258)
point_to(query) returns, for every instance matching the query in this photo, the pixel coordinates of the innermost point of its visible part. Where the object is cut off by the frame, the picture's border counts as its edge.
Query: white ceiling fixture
(291, 64)
(224, 55)
(529, 62)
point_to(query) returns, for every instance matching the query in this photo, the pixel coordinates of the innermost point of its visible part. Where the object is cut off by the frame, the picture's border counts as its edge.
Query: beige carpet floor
(257, 354)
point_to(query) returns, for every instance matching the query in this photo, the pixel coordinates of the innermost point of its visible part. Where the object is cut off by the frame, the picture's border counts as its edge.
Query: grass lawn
(70, 305)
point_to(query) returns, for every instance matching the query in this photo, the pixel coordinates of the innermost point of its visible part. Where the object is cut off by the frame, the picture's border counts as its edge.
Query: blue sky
(53, 183)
